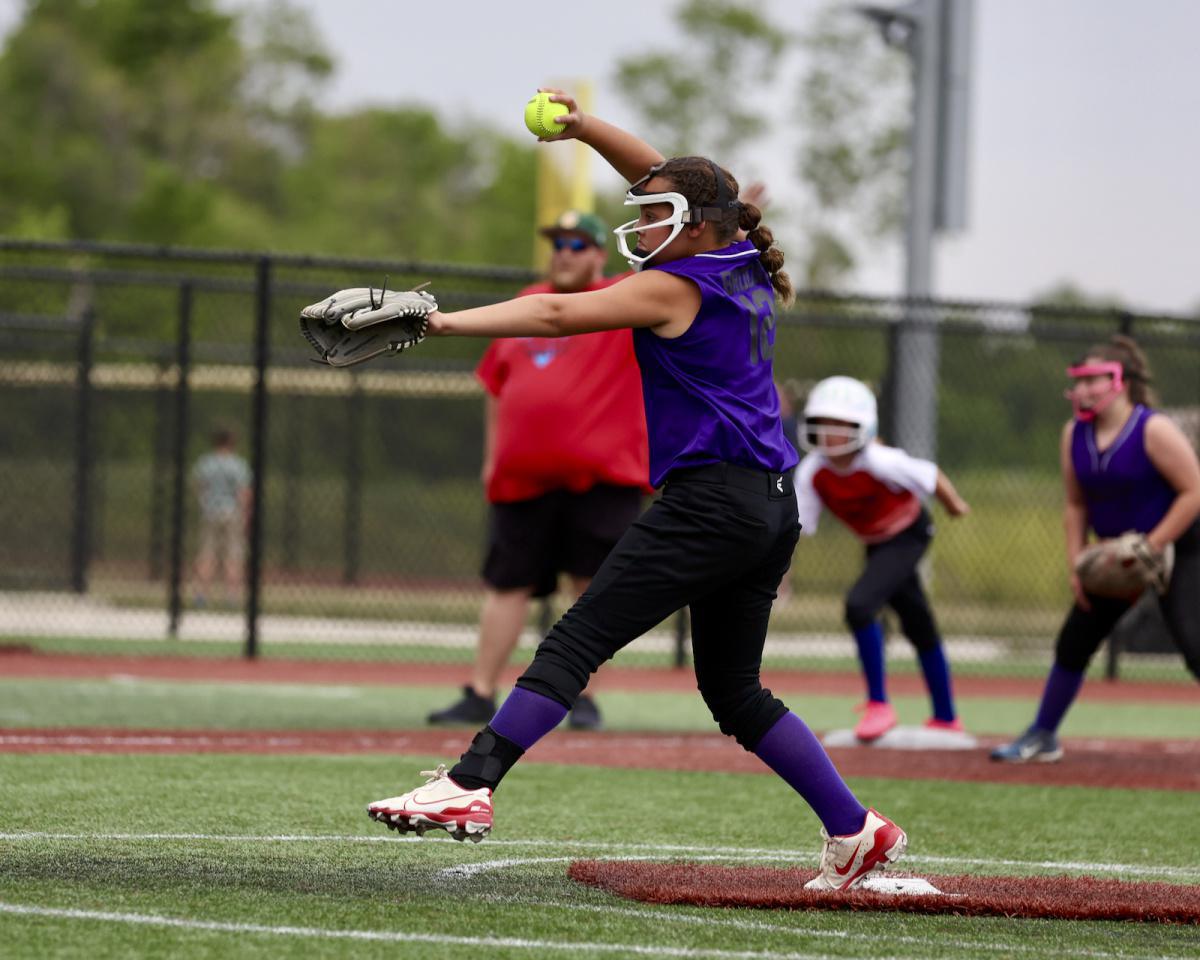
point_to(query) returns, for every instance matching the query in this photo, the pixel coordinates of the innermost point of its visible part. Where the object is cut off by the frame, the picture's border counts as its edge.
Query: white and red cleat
(878, 718)
(846, 860)
(441, 804)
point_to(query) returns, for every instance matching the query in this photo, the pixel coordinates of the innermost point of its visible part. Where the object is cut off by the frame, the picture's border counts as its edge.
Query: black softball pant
(1084, 630)
(718, 540)
(890, 578)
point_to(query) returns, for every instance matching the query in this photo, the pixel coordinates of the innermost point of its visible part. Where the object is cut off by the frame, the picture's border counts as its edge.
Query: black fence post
(887, 389)
(681, 637)
(81, 533)
(183, 361)
(258, 429)
(158, 472)
(289, 535)
(352, 509)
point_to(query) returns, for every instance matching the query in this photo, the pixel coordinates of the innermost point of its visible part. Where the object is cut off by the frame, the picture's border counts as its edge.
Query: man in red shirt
(565, 463)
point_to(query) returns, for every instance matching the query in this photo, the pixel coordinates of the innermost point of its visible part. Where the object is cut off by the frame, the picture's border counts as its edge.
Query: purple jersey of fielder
(710, 393)
(1121, 486)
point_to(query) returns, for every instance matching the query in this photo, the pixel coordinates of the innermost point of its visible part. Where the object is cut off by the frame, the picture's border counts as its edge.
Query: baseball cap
(573, 221)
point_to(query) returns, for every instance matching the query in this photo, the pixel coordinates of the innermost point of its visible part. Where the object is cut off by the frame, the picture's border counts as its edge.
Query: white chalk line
(800, 857)
(395, 936)
(658, 915)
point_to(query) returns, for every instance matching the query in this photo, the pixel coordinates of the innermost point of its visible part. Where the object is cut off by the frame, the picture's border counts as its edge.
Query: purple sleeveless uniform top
(1122, 488)
(710, 393)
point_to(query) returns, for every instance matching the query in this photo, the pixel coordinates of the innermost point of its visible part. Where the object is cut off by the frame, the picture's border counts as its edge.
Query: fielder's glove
(360, 323)
(1124, 567)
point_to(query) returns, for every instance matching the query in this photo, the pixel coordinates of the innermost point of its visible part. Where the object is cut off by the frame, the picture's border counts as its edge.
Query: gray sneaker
(1035, 744)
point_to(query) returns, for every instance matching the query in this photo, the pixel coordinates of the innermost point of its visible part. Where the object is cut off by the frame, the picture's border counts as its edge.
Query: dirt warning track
(19, 661)
(1134, 764)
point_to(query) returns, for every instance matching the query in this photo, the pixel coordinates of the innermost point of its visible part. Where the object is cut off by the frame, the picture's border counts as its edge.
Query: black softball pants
(890, 578)
(718, 540)
(1084, 630)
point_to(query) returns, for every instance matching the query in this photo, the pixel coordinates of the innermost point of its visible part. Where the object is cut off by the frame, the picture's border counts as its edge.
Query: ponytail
(769, 255)
(1135, 368)
(693, 177)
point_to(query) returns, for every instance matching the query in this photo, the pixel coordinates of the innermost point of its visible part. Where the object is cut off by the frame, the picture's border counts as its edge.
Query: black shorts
(531, 541)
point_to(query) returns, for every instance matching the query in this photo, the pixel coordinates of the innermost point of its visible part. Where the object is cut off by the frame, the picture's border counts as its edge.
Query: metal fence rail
(118, 361)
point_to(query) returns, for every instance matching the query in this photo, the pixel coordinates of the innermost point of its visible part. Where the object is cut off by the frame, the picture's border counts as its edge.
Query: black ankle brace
(488, 758)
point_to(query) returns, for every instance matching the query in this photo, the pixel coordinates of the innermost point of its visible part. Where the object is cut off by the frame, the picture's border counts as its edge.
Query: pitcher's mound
(1060, 898)
(905, 738)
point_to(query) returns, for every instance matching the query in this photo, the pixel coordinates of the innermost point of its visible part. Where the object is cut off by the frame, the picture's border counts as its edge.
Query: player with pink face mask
(1094, 385)
(1125, 467)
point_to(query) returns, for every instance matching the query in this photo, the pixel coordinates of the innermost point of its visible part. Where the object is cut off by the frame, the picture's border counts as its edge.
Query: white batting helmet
(839, 398)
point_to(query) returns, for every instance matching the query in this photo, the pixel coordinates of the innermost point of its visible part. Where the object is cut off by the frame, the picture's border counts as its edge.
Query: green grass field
(160, 704)
(222, 855)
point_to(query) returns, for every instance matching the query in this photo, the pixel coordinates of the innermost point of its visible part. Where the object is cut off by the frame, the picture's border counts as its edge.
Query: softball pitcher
(719, 539)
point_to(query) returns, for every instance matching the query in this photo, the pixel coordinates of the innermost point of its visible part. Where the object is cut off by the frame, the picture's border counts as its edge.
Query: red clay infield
(1064, 898)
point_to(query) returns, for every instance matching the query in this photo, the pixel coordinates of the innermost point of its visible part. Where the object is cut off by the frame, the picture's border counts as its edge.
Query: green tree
(701, 99)
(393, 183)
(853, 107)
(144, 119)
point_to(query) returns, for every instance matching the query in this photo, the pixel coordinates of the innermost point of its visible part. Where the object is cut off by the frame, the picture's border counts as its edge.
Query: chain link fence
(117, 364)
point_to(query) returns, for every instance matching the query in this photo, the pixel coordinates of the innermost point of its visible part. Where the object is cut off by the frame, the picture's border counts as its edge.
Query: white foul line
(396, 936)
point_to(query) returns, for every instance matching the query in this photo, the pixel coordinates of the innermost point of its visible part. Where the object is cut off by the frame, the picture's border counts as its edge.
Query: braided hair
(694, 178)
(1135, 368)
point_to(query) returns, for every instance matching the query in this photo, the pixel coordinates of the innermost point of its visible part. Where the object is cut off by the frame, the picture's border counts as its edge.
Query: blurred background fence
(118, 362)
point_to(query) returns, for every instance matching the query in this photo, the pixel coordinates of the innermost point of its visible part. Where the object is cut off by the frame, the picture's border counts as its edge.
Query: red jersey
(569, 412)
(876, 496)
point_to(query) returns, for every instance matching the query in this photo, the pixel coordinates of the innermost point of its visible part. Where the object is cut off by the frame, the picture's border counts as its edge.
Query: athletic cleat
(846, 860)
(1035, 744)
(878, 718)
(953, 726)
(585, 715)
(471, 709)
(440, 804)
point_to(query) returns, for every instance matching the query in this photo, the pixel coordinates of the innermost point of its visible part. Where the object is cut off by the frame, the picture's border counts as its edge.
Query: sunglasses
(574, 244)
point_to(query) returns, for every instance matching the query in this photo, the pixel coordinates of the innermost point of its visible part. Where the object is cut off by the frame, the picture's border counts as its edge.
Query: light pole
(935, 34)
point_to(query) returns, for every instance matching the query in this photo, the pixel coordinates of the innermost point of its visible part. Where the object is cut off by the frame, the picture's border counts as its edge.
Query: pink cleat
(878, 718)
(952, 726)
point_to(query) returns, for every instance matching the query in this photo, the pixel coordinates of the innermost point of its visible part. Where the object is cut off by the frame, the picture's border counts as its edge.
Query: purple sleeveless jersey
(1122, 488)
(710, 394)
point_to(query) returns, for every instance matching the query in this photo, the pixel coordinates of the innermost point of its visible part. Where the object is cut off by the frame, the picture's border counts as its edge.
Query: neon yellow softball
(541, 115)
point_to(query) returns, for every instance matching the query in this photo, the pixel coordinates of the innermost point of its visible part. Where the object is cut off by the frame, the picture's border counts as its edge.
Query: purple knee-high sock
(1061, 688)
(793, 751)
(525, 717)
